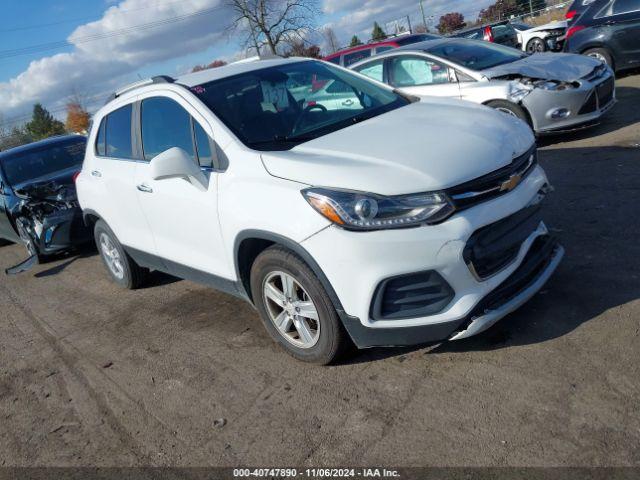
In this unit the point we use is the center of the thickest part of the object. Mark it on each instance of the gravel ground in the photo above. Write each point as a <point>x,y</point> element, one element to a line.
<point>177,374</point>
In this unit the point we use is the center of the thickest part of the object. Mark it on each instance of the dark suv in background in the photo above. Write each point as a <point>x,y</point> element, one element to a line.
<point>608,30</point>
<point>501,32</point>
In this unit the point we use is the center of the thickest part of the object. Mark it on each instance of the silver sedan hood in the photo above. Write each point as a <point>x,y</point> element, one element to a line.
<point>564,67</point>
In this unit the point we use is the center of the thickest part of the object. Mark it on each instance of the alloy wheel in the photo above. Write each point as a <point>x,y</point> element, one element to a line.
<point>291,310</point>
<point>111,256</point>
<point>535,46</point>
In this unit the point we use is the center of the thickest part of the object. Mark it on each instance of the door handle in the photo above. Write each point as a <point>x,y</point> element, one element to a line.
<point>145,188</point>
<point>346,103</point>
<point>96,173</point>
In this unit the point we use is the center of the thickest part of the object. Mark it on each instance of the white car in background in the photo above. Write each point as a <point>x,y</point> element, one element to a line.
<point>552,92</point>
<point>393,221</point>
<point>540,39</point>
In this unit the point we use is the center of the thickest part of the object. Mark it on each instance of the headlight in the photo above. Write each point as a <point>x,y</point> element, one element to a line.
<point>367,211</point>
<point>553,86</point>
<point>518,93</point>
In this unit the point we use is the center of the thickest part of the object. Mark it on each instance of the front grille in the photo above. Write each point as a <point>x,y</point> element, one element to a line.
<point>591,105</point>
<point>494,184</point>
<point>605,92</point>
<point>493,247</point>
<point>411,296</point>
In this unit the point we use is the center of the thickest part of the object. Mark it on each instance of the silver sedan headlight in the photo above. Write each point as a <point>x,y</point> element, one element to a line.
<point>368,211</point>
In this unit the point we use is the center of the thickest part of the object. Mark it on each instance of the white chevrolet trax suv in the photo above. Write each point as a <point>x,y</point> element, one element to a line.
<point>344,211</point>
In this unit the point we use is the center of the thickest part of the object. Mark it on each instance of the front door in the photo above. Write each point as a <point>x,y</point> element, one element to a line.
<point>182,216</point>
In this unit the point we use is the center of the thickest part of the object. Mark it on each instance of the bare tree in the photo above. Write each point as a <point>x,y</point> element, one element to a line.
<point>331,40</point>
<point>273,22</point>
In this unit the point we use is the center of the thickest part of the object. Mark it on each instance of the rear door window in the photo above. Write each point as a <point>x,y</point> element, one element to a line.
<point>118,133</point>
<point>620,7</point>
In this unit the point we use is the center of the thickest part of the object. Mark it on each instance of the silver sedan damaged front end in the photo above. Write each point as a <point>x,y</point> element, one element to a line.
<point>560,96</point>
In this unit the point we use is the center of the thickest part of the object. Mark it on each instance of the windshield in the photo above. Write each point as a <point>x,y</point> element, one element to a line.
<point>476,55</point>
<point>280,107</point>
<point>44,161</point>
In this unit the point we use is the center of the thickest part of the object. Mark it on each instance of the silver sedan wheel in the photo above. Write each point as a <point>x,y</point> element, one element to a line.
<point>111,256</point>
<point>535,45</point>
<point>291,310</point>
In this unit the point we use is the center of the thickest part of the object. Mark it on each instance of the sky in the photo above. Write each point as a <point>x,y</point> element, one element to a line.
<point>53,50</point>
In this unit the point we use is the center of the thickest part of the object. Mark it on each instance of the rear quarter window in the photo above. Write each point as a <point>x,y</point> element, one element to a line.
<point>117,132</point>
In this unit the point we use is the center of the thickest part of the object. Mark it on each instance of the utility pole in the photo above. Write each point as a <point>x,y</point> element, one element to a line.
<point>531,7</point>
<point>424,19</point>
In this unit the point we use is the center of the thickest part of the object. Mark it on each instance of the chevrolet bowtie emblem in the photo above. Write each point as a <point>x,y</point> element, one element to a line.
<point>513,182</point>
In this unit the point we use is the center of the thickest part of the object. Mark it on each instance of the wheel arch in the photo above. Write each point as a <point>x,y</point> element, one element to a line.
<point>251,243</point>
<point>521,105</point>
<point>90,217</point>
<point>592,45</point>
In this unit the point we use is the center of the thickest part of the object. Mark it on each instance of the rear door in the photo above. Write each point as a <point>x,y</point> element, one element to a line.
<point>112,176</point>
<point>422,76</point>
<point>182,217</point>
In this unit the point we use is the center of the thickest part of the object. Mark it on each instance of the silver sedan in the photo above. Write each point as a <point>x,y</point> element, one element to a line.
<point>552,92</point>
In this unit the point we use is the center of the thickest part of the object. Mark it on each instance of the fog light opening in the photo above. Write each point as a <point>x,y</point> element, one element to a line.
<point>559,113</point>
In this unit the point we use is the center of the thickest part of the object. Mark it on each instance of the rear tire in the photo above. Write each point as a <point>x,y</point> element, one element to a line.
<point>120,266</point>
<point>600,54</point>
<point>536,45</point>
<point>510,108</point>
<point>284,289</point>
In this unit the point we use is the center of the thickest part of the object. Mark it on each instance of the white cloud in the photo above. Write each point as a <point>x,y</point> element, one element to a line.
<point>94,66</point>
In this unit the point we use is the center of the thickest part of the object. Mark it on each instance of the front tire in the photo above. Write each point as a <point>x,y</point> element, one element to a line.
<point>510,108</point>
<point>600,54</point>
<point>536,45</point>
<point>295,308</point>
<point>120,266</point>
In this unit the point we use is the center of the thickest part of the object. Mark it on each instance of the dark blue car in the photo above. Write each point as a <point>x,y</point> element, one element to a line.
<point>38,203</point>
<point>608,30</point>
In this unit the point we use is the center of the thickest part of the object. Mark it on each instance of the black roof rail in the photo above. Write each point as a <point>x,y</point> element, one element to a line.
<point>142,83</point>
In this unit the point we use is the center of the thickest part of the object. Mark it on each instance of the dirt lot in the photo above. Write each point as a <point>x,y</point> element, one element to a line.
<point>177,374</point>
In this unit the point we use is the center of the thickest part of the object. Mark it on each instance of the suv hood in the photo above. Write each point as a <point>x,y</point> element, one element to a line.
<point>428,145</point>
<point>564,67</point>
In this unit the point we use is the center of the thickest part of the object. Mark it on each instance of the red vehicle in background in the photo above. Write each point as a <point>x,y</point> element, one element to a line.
<point>349,56</point>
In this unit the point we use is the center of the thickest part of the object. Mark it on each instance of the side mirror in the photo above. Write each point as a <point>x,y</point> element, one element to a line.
<point>176,163</point>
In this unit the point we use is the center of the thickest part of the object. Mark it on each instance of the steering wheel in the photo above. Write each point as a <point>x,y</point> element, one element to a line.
<point>304,113</point>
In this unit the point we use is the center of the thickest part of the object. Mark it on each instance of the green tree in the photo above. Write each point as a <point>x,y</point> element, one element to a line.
<point>377,34</point>
<point>355,41</point>
<point>42,124</point>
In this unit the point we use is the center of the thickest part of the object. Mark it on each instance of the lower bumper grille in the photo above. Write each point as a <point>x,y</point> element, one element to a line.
<point>492,248</point>
<point>590,106</point>
<point>411,296</point>
<point>605,92</point>
<point>539,256</point>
